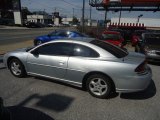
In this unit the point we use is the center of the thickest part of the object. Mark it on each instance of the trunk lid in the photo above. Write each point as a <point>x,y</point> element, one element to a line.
<point>135,58</point>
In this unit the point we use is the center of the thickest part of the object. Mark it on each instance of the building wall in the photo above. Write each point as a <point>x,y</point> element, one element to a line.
<point>67,20</point>
<point>148,22</point>
<point>39,18</point>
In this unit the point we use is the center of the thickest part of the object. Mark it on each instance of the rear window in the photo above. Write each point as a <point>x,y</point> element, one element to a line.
<point>118,52</point>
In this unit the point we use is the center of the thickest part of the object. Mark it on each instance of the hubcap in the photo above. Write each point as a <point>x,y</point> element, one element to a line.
<point>98,86</point>
<point>15,67</point>
<point>39,42</point>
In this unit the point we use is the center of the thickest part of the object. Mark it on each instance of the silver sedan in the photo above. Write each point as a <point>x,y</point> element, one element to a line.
<point>94,65</point>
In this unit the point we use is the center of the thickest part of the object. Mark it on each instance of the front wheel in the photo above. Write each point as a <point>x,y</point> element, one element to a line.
<point>17,68</point>
<point>99,86</point>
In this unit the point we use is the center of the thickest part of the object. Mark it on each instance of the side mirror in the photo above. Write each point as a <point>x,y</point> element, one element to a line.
<point>35,52</point>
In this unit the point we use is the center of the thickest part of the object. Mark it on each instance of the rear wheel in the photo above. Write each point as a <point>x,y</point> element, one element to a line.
<point>17,68</point>
<point>99,86</point>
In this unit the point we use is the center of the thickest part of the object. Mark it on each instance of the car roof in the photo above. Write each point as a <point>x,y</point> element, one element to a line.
<point>101,51</point>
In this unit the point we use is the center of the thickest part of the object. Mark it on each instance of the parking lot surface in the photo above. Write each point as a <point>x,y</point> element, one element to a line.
<point>33,98</point>
<point>64,102</point>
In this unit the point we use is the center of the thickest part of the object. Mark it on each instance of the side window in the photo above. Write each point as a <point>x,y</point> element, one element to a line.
<point>62,49</point>
<point>83,51</point>
<point>63,34</point>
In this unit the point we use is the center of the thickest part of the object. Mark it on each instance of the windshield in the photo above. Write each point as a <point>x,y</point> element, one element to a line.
<point>111,36</point>
<point>118,52</point>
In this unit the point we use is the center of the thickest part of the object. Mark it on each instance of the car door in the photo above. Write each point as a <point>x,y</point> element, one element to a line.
<point>49,60</point>
<point>80,62</point>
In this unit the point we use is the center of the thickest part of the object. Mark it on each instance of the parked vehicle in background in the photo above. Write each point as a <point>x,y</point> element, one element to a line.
<point>58,34</point>
<point>113,37</point>
<point>120,31</point>
<point>50,25</point>
<point>95,65</point>
<point>34,25</point>
<point>150,46</point>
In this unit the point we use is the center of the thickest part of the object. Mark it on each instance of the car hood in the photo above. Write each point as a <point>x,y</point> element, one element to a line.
<point>134,57</point>
<point>19,50</point>
<point>43,37</point>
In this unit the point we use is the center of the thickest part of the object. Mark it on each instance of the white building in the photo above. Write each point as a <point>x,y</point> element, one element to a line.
<point>92,23</point>
<point>147,22</point>
<point>67,20</point>
<point>44,19</point>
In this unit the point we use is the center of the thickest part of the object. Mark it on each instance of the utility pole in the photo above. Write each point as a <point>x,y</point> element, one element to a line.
<point>73,12</point>
<point>105,19</point>
<point>105,16</point>
<point>55,9</point>
<point>44,11</point>
<point>120,14</point>
<point>139,17</point>
<point>83,16</point>
<point>90,17</point>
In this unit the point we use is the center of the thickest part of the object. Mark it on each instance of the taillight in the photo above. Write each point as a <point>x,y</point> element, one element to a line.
<point>141,68</point>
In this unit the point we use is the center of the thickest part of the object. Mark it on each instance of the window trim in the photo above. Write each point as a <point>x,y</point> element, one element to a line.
<point>36,48</point>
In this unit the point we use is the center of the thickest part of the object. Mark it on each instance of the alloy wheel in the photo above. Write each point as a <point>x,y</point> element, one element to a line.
<point>98,86</point>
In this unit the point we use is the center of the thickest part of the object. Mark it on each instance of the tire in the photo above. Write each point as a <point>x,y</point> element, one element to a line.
<point>38,42</point>
<point>99,86</point>
<point>17,68</point>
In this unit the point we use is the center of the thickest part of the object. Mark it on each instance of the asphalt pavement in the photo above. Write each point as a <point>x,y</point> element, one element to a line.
<point>34,98</point>
<point>31,97</point>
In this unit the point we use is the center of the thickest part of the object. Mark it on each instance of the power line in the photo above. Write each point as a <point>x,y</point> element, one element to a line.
<point>71,4</point>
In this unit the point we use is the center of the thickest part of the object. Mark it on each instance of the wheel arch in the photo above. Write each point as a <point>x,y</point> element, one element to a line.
<point>10,58</point>
<point>96,72</point>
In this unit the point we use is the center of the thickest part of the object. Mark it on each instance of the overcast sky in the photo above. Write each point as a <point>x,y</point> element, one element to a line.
<point>65,8</point>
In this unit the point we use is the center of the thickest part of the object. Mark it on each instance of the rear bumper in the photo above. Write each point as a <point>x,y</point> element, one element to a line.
<point>137,83</point>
